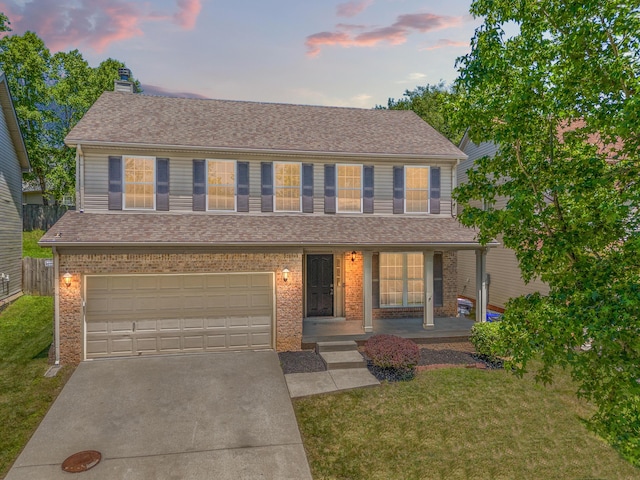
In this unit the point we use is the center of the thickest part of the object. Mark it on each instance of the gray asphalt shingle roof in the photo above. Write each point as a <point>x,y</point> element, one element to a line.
<point>136,119</point>
<point>189,229</point>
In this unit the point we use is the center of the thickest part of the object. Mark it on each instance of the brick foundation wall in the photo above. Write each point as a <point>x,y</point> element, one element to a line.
<point>289,295</point>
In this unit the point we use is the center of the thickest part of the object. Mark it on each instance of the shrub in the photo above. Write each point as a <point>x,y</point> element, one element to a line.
<point>391,352</point>
<point>486,338</point>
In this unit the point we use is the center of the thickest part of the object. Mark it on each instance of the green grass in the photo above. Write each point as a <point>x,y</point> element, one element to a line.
<point>30,247</point>
<point>456,424</point>
<point>26,331</point>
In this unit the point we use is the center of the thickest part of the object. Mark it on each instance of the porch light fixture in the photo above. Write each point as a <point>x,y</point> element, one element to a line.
<point>353,256</point>
<point>67,279</point>
<point>285,274</point>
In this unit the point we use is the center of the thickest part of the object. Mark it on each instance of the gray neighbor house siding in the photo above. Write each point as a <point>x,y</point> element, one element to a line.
<point>13,161</point>
<point>505,279</point>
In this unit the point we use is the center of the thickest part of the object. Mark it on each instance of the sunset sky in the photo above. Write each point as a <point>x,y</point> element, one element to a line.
<point>322,52</point>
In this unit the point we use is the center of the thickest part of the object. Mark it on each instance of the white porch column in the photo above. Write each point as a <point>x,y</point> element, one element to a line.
<point>481,285</point>
<point>367,290</point>
<point>427,321</point>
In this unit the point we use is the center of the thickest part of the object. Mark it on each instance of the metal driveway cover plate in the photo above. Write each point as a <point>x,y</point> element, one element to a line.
<point>81,461</point>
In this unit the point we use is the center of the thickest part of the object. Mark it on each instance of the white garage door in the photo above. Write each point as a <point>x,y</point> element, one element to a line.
<point>128,315</point>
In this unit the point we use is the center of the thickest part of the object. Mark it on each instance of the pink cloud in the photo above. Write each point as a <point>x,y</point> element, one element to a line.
<point>394,34</point>
<point>444,42</point>
<point>95,23</point>
<point>353,8</point>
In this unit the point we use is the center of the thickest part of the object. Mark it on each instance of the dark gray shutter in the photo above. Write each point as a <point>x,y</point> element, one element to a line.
<point>162,184</point>
<point>398,189</point>
<point>115,183</point>
<point>199,186</point>
<point>243,187</point>
<point>438,281</point>
<point>435,190</point>
<point>330,188</point>
<point>367,197</point>
<point>375,279</point>
<point>266,174</point>
<point>307,188</point>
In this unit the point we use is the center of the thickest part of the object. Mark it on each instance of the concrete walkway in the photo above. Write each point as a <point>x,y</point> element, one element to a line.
<point>222,416</point>
<point>305,384</point>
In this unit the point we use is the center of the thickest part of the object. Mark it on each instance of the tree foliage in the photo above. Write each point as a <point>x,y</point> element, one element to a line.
<point>432,103</point>
<point>560,98</point>
<point>51,93</point>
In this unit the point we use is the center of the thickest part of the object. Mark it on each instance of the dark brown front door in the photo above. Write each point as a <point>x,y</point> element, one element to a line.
<point>319,285</point>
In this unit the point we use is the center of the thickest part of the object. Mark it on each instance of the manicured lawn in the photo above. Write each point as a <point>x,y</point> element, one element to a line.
<point>26,330</point>
<point>456,423</point>
<point>30,246</point>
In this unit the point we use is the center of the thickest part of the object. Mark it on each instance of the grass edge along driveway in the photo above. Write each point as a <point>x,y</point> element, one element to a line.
<point>456,423</point>
<point>26,332</point>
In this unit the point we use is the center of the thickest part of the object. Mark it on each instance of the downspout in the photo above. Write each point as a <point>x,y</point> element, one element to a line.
<point>79,178</point>
<point>454,184</point>
<point>56,307</point>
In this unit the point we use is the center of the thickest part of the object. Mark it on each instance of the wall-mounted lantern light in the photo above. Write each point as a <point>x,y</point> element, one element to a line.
<point>285,274</point>
<point>67,279</point>
<point>353,256</point>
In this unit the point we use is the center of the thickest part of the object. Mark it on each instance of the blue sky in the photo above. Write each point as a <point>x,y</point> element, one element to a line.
<point>344,53</point>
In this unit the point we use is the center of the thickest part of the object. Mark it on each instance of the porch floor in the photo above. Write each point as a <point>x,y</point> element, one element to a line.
<point>444,329</point>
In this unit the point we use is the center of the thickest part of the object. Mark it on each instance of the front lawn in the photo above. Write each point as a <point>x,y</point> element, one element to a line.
<point>30,247</point>
<point>456,423</point>
<point>26,332</point>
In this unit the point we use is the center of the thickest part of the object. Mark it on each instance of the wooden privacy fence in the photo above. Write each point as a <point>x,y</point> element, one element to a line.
<point>37,276</point>
<point>42,217</point>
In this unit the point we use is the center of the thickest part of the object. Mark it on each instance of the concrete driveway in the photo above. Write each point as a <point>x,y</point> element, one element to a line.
<point>209,416</point>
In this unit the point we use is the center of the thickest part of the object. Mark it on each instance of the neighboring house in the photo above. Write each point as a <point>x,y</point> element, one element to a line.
<point>504,279</point>
<point>32,195</point>
<point>13,162</point>
<point>206,225</point>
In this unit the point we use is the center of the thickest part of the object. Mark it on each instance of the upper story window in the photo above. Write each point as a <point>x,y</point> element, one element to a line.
<point>139,182</point>
<point>287,186</point>
<point>349,188</point>
<point>221,185</point>
<point>416,192</point>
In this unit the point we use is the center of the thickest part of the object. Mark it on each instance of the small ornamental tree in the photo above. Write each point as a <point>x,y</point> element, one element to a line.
<point>559,95</point>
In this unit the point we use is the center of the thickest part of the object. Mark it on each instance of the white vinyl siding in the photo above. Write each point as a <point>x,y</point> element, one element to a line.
<point>401,279</point>
<point>139,182</point>
<point>287,186</point>
<point>349,188</point>
<point>221,185</point>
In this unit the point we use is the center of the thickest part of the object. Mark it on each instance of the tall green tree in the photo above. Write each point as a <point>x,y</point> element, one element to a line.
<point>51,93</point>
<point>560,98</point>
<point>432,103</point>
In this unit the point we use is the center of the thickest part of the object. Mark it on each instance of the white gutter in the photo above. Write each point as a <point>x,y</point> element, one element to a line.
<point>56,308</point>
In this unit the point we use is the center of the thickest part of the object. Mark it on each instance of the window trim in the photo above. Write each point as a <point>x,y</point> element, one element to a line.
<point>405,281</point>
<point>124,182</point>
<point>276,187</point>
<point>406,189</point>
<point>338,166</point>
<point>235,185</point>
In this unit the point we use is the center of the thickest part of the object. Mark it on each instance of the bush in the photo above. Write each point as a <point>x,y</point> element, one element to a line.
<point>391,352</point>
<point>486,338</point>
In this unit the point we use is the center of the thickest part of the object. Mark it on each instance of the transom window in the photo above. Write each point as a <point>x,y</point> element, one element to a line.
<point>350,188</point>
<point>221,185</point>
<point>287,187</point>
<point>139,182</point>
<point>401,280</point>
<point>416,190</point>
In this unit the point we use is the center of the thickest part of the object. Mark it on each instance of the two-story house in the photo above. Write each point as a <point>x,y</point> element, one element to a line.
<point>13,162</point>
<point>206,225</point>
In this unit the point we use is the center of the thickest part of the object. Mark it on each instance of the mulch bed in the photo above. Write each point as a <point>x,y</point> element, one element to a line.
<point>432,356</point>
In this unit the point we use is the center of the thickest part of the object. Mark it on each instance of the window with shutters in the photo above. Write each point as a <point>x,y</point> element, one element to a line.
<point>401,279</point>
<point>221,185</point>
<point>349,188</point>
<point>139,182</point>
<point>287,186</point>
<point>416,190</point>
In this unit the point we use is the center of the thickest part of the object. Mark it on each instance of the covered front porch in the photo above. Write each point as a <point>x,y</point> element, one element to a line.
<point>329,329</point>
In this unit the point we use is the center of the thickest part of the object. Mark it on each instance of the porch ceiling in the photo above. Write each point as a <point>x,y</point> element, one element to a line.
<point>238,230</point>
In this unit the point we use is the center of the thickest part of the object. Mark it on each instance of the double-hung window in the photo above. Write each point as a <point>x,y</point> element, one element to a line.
<point>139,182</point>
<point>401,280</point>
<point>349,188</point>
<point>287,186</point>
<point>416,189</point>
<point>221,185</point>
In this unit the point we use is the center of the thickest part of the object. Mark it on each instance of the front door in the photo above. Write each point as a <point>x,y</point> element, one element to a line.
<point>319,285</point>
